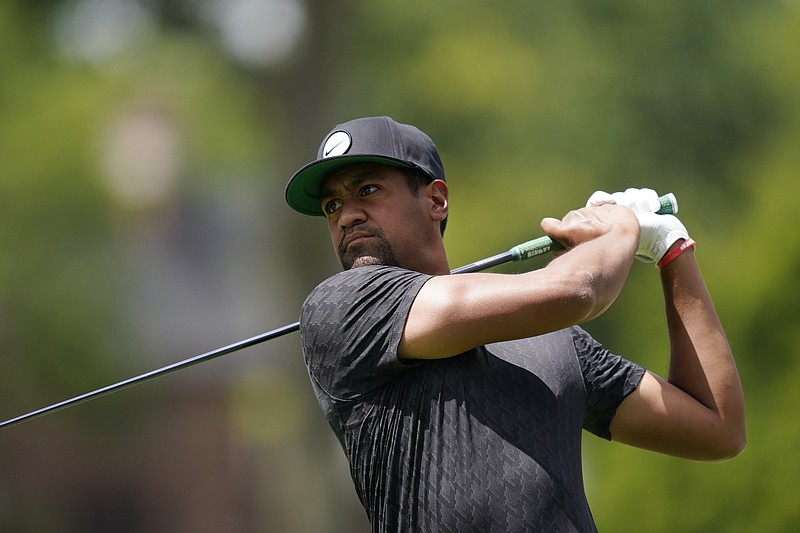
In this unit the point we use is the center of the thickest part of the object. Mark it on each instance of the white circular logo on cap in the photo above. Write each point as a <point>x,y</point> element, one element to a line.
<point>337,144</point>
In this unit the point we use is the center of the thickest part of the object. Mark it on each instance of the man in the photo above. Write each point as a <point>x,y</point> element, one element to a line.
<point>459,399</point>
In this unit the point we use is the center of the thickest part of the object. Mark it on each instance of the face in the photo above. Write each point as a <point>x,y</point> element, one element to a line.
<point>374,219</point>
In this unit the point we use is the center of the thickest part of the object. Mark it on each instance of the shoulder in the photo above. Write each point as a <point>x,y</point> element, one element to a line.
<point>351,325</point>
<point>365,282</point>
<point>361,295</point>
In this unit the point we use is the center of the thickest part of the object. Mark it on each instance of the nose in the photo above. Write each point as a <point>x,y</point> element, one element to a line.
<point>351,213</point>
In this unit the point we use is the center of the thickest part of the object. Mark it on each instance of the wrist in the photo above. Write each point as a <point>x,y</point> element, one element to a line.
<point>675,251</point>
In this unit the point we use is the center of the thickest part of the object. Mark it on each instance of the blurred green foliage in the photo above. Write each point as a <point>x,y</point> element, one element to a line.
<point>533,107</point>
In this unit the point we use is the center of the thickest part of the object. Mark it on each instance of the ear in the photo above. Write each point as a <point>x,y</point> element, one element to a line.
<point>438,196</point>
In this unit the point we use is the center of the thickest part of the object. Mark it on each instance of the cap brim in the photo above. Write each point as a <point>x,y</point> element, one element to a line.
<point>302,191</point>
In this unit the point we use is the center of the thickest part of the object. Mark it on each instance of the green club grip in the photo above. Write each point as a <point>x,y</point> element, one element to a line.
<point>541,245</point>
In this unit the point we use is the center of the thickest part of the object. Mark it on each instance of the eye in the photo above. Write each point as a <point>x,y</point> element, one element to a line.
<point>366,190</point>
<point>331,207</point>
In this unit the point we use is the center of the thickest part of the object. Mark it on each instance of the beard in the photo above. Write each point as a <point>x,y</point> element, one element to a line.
<point>375,250</point>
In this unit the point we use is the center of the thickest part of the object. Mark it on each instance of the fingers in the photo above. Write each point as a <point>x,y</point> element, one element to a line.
<point>639,200</point>
<point>587,223</point>
<point>600,198</point>
<point>550,225</point>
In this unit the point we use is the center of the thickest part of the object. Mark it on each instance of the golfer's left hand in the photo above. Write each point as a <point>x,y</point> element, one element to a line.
<point>640,200</point>
<point>657,233</point>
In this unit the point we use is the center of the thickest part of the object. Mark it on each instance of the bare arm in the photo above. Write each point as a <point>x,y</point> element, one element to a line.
<point>698,412</point>
<point>452,314</point>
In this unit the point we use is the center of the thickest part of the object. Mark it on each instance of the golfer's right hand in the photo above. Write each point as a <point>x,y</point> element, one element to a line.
<point>587,223</point>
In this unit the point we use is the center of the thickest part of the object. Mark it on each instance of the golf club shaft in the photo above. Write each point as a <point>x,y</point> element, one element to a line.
<point>147,376</point>
<point>520,252</point>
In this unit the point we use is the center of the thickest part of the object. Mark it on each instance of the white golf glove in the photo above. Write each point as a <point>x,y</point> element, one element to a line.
<point>640,200</point>
<point>657,233</point>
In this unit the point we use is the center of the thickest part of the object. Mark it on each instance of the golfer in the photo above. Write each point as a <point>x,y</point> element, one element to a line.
<point>459,400</point>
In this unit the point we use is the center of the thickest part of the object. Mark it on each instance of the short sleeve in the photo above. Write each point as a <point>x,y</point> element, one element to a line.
<point>351,326</point>
<point>608,379</point>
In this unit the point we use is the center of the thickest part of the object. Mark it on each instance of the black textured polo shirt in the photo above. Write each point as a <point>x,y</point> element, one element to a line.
<point>485,441</point>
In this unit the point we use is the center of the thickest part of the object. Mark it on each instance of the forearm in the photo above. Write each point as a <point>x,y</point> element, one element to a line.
<point>701,361</point>
<point>597,270</point>
<point>452,314</point>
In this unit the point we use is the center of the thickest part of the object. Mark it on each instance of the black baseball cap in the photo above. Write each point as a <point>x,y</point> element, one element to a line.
<point>363,140</point>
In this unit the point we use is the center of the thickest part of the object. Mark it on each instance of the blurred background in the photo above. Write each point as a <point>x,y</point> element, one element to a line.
<point>144,149</point>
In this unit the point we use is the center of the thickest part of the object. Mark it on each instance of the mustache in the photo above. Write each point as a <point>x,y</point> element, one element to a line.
<point>365,230</point>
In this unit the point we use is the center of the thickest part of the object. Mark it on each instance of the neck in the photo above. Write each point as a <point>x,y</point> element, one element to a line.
<point>434,262</point>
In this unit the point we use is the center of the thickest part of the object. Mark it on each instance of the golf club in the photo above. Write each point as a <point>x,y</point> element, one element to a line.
<point>520,252</point>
